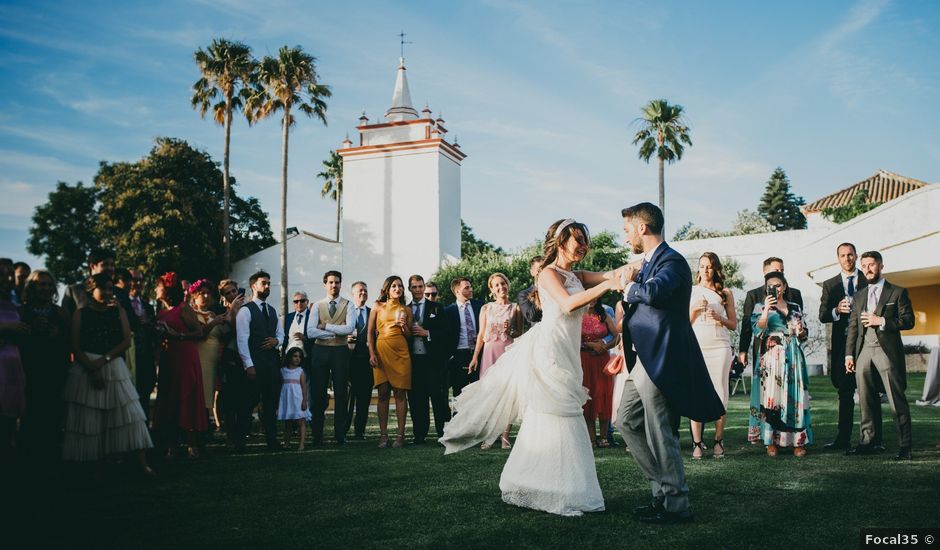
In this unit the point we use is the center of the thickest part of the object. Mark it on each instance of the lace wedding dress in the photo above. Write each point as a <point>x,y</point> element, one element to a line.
<point>538,380</point>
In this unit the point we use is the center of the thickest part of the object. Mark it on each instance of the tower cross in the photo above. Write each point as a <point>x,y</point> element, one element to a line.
<point>402,36</point>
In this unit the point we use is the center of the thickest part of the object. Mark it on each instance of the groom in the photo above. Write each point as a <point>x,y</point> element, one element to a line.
<point>672,379</point>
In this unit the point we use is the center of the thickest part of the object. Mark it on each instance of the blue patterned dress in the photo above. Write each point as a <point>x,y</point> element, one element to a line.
<point>779,398</point>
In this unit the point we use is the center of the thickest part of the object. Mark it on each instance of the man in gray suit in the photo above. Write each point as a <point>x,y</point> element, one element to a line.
<point>874,349</point>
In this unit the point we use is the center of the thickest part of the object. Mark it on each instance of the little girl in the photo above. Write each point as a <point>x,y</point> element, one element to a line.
<point>292,407</point>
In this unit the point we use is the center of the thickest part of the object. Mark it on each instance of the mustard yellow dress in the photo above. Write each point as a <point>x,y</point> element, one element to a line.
<point>391,349</point>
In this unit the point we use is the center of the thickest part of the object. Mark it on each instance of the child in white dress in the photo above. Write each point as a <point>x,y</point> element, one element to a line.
<point>292,406</point>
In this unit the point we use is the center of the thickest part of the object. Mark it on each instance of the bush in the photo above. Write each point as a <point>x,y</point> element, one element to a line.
<point>911,349</point>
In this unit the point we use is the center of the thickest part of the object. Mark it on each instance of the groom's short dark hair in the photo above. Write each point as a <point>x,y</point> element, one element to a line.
<point>647,213</point>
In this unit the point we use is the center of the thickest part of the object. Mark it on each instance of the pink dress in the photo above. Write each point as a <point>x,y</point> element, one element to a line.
<point>12,379</point>
<point>180,400</point>
<point>599,385</point>
<point>496,337</point>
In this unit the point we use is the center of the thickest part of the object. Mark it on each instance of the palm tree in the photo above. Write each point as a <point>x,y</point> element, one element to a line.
<point>285,83</point>
<point>663,130</point>
<point>228,70</point>
<point>332,177</point>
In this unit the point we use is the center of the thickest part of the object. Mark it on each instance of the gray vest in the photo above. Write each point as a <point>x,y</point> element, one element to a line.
<point>871,337</point>
<point>259,329</point>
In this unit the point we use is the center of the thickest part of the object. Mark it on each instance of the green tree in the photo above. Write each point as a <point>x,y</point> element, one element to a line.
<point>332,176</point>
<point>779,206</point>
<point>663,131</point>
<point>228,69</point>
<point>747,223</point>
<point>856,207</point>
<point>471,245</point>
<point>287,83</point>
<point>64,230</point>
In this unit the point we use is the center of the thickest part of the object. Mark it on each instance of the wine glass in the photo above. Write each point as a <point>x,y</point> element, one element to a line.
<point>400,318</point>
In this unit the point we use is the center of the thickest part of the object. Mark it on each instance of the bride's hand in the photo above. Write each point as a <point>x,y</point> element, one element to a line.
<point>617,284</point>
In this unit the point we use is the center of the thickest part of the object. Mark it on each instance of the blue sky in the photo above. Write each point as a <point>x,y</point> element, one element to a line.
<point>540,94</point>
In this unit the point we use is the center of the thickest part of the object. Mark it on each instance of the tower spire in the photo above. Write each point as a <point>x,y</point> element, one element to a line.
<point>401,108</point>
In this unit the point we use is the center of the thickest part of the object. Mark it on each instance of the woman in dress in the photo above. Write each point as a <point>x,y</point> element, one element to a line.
<point>388,332</point>
<point>181,405</point>
<point>713,315</point>
<point>500,322</point>
<point>596,325</point>
<point>209,346</point>
<point>779,398</point>
<point>45,353</point>
<point>551,466</point>
<point>103,415</point>
<point>12,379</point>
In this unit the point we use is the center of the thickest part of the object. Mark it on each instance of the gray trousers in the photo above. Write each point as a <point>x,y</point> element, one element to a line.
<point>872,362</point>
<point>647,424</point>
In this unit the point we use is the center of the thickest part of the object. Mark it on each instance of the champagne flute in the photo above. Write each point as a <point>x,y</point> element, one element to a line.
<point>400,318</point>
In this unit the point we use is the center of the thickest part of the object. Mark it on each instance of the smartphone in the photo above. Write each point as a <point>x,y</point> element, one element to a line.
<point>241,292</point>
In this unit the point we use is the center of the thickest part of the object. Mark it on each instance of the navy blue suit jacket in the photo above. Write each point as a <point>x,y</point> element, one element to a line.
<point>656,322</point>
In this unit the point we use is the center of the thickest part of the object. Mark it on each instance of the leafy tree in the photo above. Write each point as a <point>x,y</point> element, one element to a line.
<point>663,130</point>
<point>605,254</point>
<point>692,232</point>
<point>471,245</point>
<point>227,70</point>
<point>288,82</point>
<point>64,230</point>
<point>332,176</point>
<point>779,206</point>
<point>251,231</point>
<point>747,223</point>
<point>856,207</point>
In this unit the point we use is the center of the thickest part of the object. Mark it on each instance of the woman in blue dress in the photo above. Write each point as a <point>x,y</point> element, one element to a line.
<point>780,414</point>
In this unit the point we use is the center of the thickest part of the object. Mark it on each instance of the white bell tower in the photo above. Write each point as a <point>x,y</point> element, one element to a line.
<point>401,195</point>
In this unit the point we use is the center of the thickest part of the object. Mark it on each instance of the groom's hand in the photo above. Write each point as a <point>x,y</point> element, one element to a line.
<point>630,271</point>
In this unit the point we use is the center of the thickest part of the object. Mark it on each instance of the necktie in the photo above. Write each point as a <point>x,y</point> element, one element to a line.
<point>851,286</point>
<point>264,310</point>
<point>300,319</point>
<point>872,298</point>
<point>359,320</point>
<point>468,320</point>
<point>332,308</point>
<point>417,312</point>
<point>642,274</point>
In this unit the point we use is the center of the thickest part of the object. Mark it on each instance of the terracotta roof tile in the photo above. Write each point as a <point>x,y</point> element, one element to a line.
<point>883,186</point>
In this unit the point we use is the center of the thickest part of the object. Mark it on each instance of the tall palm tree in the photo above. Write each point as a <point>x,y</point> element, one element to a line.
<point>663,130</point>
<point>332,176</point>
<point>286,83</point>
<point>228,70</point>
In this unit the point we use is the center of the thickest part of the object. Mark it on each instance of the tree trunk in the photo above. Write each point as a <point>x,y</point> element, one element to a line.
<point>662,186</point>
<point>226,231</point>
<point>339,211</point>
<point>286,130</point>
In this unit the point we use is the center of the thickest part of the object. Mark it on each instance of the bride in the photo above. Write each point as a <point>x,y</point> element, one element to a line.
<point>538,378</point>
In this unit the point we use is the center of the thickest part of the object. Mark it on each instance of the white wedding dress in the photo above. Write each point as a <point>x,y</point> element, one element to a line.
<point>538,380</point>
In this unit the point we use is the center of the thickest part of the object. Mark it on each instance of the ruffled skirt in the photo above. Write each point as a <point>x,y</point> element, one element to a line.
<point>105,421</point>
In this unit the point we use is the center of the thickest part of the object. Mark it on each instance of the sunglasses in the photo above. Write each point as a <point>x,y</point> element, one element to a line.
<point>430,294</point>
<point>300,301</point>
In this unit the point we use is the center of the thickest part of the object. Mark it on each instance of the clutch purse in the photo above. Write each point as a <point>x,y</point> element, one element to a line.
<point>614,366</point>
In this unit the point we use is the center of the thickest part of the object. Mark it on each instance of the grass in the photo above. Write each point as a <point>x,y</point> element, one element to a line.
<point>364,497</point>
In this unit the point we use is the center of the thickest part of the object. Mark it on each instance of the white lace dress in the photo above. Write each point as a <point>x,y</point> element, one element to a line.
<point>538,379</point>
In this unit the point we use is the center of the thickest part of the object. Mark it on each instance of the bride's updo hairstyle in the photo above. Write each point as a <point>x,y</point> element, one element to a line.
<point>555,238</point>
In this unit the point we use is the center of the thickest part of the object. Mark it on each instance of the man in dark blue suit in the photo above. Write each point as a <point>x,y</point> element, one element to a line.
<point>462,325</point>
<point>672,379</point>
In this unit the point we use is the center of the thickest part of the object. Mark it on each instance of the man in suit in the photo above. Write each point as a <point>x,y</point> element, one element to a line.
<point>428,371</point>
<point>431,291</point>
<point>360,371</point>
<point>296,324</point>
<point>874,350</point>
<point>668,377</point>
<point>754,297</point>
<point>835,307</point>
<point>336,320</point>
<point>463,322</point>
<point>258,335</point>
<point>145,356</point>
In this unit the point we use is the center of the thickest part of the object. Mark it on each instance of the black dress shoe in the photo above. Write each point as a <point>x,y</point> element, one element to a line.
<point>665,517</point>
<point>419,441</point>
<point>904,454</point>
<point>877,448</point>
<point>359,437</point>
<point>654,507</point>
<point>341,442</point>
<point>860,450</point>
<point>837,445</point>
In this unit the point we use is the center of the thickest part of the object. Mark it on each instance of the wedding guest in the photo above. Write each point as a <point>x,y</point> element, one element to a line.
<point>835,307</point>
<point>335,322</point>
<point>500,323</point>
<point>596,326</point>
<point>463,320</point>
<point>210,342</point>
<point>530,311</point>
<point>233,379</point>
<point>296,324</point>
<point>292,404</point>
<point>45,350</point>
<point>21,271</point>
<point>12,378</point>
<point>874,350</point>
<point>181,404</point>
<point>748,342</point>
<point>102,411</point>
<point>100,260</point>
<point>360,371</point>
<point>388,333</point>
<point>145,340</point>
<point>713,315</point>
<point>428,371</point>
<point>780,415</point>
<point>258,336</point>
<point>431,291</point>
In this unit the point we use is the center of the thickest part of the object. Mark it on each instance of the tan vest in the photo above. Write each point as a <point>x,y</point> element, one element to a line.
<point>338,318</point>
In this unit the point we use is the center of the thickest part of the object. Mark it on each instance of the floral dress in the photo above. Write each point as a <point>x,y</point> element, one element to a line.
<point>779,412</point>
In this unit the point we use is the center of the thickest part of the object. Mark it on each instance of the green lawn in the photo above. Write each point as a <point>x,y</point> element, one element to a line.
<point>365,497</point>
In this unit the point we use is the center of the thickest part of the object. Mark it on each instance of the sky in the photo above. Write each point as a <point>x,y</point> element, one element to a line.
<point>543,97</point>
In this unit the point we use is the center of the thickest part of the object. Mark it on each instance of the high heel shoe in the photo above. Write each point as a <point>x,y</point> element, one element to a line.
<point>399,442</point>
<point>718,448</point>
<point>485,446</point>
<point>383,441</point>
<point>771,450</point>
<point>698,450</point>
<point>504,440</point>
